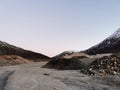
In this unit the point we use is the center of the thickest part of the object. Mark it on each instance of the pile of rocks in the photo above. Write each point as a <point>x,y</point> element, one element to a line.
<point>107,65</point>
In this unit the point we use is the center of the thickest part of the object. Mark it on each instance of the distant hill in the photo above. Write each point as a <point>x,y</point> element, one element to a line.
<point>110,45</point>
<point>8,49</point>
<point>70,54</point>
<point>61,55</point>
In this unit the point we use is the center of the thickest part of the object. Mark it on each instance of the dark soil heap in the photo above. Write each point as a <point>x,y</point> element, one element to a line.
<point>64,64</point>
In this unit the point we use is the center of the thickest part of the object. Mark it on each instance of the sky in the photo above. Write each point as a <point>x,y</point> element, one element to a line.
<point>53,26</point>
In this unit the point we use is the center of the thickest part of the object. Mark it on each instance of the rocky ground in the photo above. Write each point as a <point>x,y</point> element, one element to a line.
<point>33,77</point>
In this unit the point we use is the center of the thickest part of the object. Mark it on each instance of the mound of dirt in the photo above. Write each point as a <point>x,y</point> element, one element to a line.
<point>7,60</point>
<point>106,65</point>
<point>64,64</point>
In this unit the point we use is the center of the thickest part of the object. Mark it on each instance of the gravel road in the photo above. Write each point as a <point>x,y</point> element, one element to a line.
<point>33,77</point>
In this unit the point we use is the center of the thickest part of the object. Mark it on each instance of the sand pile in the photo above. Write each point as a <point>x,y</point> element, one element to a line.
<point>7,60</point>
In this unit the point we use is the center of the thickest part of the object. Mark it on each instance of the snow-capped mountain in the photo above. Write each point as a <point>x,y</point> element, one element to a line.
<point>7,49</point>
<point>116,34</point>
<point>109,45</point>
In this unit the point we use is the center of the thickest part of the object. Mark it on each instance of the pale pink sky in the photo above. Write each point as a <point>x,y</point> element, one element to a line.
<point>53,26</point>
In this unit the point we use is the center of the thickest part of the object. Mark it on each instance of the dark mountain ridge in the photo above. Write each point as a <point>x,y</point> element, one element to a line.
<point>109,45</point>
<point>8,49</point>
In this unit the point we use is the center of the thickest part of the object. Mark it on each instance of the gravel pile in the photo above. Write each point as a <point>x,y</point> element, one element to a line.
<point>107,65</point>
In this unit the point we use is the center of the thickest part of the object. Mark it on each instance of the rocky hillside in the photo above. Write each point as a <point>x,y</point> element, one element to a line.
<point>7,49</point>
<point>109,45</point>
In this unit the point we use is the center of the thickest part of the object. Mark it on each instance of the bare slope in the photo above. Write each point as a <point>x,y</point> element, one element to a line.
<point>7,49</point>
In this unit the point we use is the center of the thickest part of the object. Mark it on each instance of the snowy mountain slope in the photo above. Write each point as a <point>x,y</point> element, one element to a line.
<point>116,34</point>
<point>109,45</point>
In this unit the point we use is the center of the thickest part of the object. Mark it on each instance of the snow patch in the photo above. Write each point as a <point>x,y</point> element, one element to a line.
<point>116,34</point>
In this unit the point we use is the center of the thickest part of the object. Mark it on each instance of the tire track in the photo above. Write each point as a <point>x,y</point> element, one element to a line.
<point>3,79</point>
